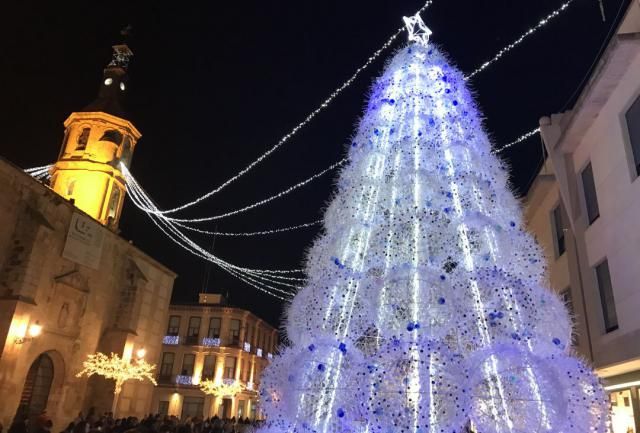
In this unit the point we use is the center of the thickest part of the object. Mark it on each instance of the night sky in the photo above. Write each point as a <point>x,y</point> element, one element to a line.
<point>215,84</point>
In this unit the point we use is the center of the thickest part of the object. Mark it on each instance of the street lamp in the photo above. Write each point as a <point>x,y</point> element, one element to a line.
<point>34,330</point>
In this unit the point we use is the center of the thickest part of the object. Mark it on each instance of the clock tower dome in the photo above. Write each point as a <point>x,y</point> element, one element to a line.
<point>96,140</point>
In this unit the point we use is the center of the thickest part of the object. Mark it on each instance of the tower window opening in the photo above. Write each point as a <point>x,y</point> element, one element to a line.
<point>83,139</point>
<point>122,87</point>
<point>71,185</point>
<point>108,81</point>
<point>126,154</point>
<point>112,135</point>
<point>113,203</point>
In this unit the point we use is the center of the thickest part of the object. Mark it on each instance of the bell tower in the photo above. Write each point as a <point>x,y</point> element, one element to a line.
<point>96,140</point>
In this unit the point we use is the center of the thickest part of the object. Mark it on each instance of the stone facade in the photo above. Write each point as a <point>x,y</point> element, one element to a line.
<point>110,297</point>
<point>213,341</point>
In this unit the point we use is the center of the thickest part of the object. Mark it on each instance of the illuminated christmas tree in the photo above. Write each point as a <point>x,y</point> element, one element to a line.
<point>425,308</point>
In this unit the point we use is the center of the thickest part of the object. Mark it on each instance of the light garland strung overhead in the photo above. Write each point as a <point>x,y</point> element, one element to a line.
<point>260,202</point>
<point>543,22</point>
<point>42,172</point>
<point>518,140</point>
<point>256,233</point>
<point>257,278</point>
<point>300,125</point>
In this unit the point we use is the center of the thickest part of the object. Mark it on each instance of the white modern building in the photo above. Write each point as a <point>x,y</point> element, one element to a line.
<point>584,209</point>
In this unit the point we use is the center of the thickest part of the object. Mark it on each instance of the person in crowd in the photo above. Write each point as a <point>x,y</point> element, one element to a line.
<point>20,424</point>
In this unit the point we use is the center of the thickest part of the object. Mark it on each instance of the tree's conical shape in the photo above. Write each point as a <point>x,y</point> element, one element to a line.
<point>425,308</point>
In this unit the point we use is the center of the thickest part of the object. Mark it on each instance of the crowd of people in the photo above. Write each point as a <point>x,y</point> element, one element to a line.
<point>107,423</point>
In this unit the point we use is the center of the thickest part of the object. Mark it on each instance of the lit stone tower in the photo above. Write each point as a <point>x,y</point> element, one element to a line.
<point>96,140</point>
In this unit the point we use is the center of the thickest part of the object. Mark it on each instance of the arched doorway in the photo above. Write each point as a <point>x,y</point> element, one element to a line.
<point>37,386</point>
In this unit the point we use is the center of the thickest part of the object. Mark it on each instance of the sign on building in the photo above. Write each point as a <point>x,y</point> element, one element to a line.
<point>84,241</point>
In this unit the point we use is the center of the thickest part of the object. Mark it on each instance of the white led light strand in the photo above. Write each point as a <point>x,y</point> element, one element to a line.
<point>261,202</point>
<point>38,169</point>
<point>300,125</point>
<point>518,41</point>
<point>256,233</point>
<point>254,277</point>
<point>243,277</point>
<point>520,139</point>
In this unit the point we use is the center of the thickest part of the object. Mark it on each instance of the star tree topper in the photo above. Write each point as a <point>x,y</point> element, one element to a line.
<point>418,30</point>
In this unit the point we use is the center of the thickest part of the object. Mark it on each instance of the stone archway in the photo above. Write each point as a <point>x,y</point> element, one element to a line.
<point>37,386</point>
<point>42,384</point>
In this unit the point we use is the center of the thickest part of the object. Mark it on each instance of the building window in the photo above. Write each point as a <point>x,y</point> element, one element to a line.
<point>606,297</point>
<point>127,151</point>
<point>589,190</point>
<point>112,135</point>
<point>174,325</point>
<point>194,327</point>
<point>247,335</point>
<point>557,223</point>
<point>193,331</point>
<point>83,139</point>
<point>188,361</point>
<point>114,203</point>
<point>214,327</point>
<point>209,367</point>
<point>230,367</point>
<point>163,408</point>
<point>71,186</point>
<point>234,332</point>
<point>166,367</point>
<point>633,125</point>
<point>192,407</point>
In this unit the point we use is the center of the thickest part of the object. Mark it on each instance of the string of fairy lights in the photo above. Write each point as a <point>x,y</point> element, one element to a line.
<point>274,282</point>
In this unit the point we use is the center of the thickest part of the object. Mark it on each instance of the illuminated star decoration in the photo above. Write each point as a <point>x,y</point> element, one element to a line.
<point>418,30</point>
<point>118,369</point>
<point>221,388</point>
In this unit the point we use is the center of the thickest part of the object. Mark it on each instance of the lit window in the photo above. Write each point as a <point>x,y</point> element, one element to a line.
<point>188,361</point>
<point>122,86</point>
<point>633,125</point>
<point>166,367</point>
<point>214,327</point>
<point>174,325</point>
<point>108,81</point>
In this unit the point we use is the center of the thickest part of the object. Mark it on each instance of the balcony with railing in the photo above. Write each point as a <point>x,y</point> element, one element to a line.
<point>191,340</point>
<point>166,379</point>
<point>171,340</point>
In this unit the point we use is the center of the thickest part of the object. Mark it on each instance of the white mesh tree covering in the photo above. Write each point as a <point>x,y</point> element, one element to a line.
<point>425,307</point>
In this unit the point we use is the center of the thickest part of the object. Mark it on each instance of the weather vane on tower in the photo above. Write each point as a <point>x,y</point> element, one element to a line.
<point>418,30</point>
